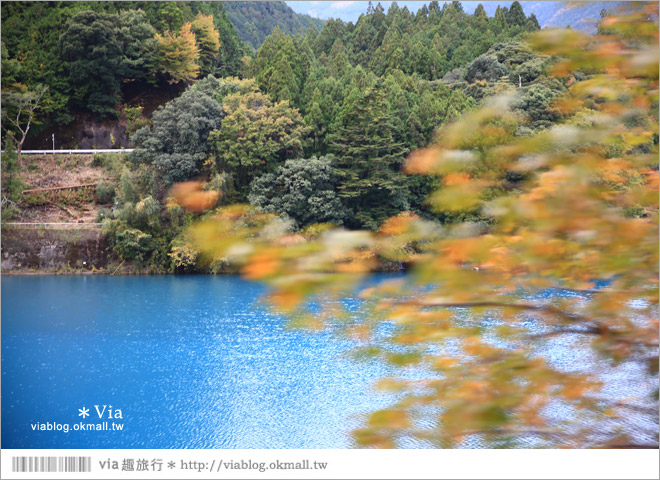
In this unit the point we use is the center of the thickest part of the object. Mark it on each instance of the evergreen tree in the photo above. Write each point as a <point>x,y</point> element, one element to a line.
<point>368,161</point>
<point>331,31</point>
<point>316,121</point>
<point>515,16</point>
<point>281,68</point>
<point>282,84</point>
<point>500,20</point>
<point>138,46</point>
<point>91,47</point>
<point>177,144</point>
<point>338,63</point>
<point>171,17</point>
<point>533,24</point>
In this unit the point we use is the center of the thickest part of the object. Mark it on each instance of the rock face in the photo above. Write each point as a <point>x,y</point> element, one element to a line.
<point>53,249</point>
<point>83,133</point>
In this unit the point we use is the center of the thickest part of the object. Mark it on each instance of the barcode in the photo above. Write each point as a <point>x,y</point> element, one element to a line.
<point>51,464</point>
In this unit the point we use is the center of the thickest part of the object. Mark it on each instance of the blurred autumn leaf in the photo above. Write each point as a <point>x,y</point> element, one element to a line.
<point>568,259</point>
<point>191,196</point>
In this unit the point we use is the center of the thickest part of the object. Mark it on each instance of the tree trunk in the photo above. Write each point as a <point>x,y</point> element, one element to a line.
<point>19,146</point>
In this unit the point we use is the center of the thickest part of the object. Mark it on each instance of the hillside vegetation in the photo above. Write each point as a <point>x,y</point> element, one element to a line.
<point>254,21</point>
<point>90,54</point>
<point>314,127</point>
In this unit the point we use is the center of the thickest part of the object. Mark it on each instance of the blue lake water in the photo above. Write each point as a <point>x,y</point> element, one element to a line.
<point>191,362</point>
<point>199,362</point>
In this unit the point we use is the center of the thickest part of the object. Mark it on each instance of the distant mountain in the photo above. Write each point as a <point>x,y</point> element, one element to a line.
<point>254,21</point>
<point>578,15</point>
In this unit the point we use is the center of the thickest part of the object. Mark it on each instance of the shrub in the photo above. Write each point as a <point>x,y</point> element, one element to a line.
<point>134,119</point>
<point>303,190</point>
<point>103,213</point>
<point>111,162</point>
<point>132,244</point>
<point>105,192</point>
<point>182,255</point>
<point>485,67</point>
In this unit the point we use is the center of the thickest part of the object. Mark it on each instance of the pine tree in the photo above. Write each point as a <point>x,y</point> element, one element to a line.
<point>316,121</point>
<point>338,62</point>
<point>368,159</point>
<point>515,16</point>
<point>533,24</point>
<point>437,58</point>
<point>282,84</point>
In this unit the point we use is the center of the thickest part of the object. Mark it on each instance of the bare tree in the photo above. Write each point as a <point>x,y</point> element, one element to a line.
<point>18,110</point>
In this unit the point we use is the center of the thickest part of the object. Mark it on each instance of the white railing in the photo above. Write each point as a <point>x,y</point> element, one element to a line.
<point>74,152</point>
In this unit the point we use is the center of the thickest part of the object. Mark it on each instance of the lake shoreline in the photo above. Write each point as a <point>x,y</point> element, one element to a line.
<point>382,268</point>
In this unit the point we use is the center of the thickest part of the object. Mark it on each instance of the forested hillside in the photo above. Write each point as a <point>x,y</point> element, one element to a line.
<point>254,21</point>
<point>313,126</point>
<point>88,54</point>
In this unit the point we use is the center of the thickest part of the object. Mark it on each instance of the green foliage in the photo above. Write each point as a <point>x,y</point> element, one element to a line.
<point>301,189</point>
<point>103,214</point>
<point>368,159</point>
<point>515,16</point>
<point>171,17</point>
<point>536,101</point>
<point>282,65</point>
<point>134,227</point>
<point>134,118</point>
<point>105,192</point>
<point>430,43</point>
<point>135,36</point>
<point>30,33</point>
<point>12,186</point>
<point>127,189</point>
<point>367,93</point>
<point>101,50</point>
<point>112,163</point>
<point>254,21</point>
<point>88,62</point>
<point>10,69</point>
<point>132,244</point>
<point>484,67</point>
<point>176,144</point>
<point>255,136</point>
<point>19,108</point>
<point>147,212</point>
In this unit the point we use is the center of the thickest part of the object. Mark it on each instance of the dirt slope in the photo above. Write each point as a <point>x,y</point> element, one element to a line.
<point>41,171</point>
